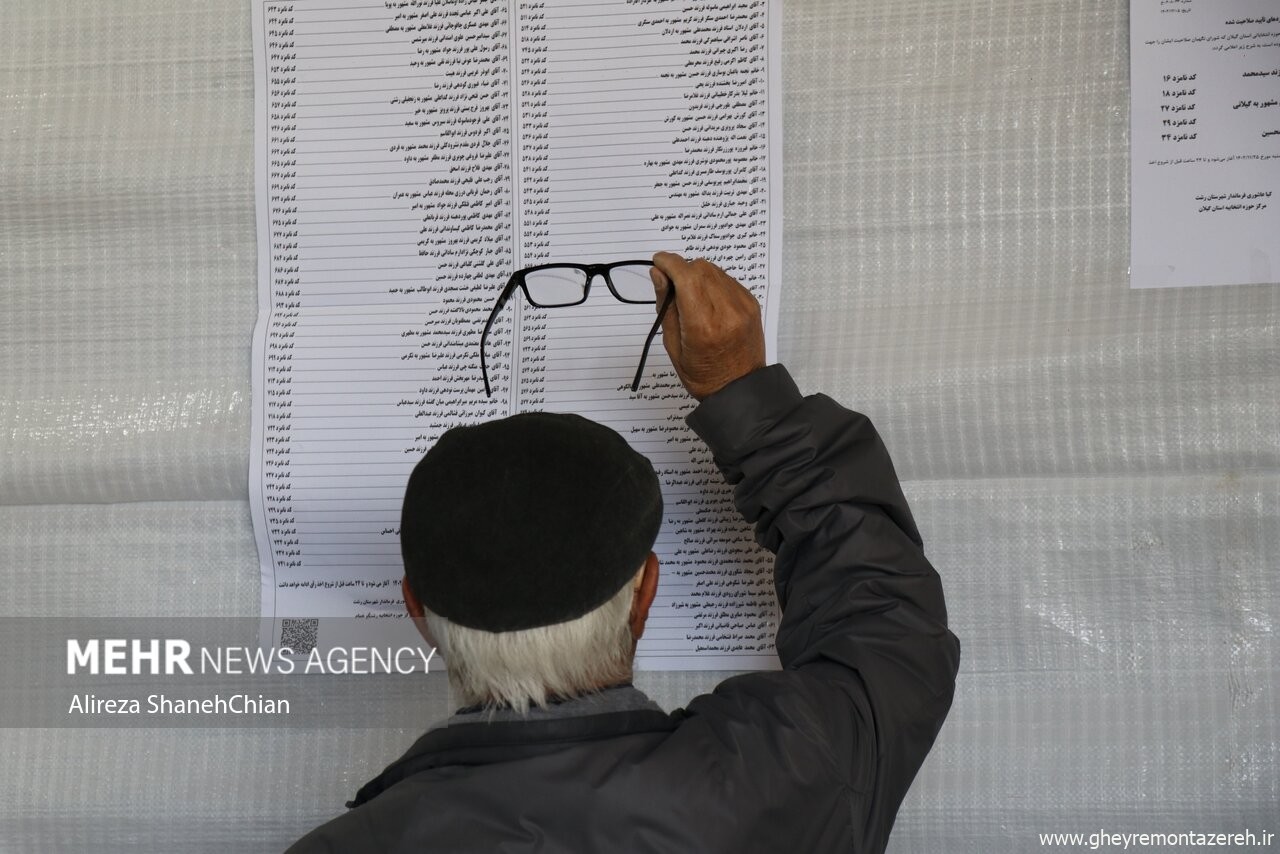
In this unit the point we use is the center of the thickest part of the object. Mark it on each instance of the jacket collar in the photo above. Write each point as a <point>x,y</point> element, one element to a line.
<point>472,739</point>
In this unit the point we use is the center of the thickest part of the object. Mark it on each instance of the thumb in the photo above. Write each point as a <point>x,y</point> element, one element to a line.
<point>661,283</point>
<point>671,320</point>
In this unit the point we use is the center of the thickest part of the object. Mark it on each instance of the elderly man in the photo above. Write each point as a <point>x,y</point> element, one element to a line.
<point>527,546</point>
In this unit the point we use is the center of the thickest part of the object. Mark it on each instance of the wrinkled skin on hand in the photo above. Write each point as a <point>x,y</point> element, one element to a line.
<point>713,330</point>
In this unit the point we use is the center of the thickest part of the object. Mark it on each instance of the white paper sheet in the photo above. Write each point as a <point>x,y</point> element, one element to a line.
<point>1205,139</point>
<point>410,156</point>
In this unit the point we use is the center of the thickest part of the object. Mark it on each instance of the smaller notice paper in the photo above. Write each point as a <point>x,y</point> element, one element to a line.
<point>1205,137</point>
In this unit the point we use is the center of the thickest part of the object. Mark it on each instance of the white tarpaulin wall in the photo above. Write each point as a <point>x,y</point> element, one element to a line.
<point>1096,471</point>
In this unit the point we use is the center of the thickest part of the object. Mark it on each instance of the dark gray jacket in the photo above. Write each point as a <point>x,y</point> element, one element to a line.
<point>814,758</point>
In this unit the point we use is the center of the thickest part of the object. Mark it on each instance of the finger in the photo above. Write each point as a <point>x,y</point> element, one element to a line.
<point>690,280</point>
<point>662,290</point>
<point>661,283</point>
<point>670,263</point>
<point>670,318</point>
<point>697,291</point>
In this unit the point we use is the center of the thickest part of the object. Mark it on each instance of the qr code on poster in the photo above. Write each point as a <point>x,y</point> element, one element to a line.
<point>299,635</point>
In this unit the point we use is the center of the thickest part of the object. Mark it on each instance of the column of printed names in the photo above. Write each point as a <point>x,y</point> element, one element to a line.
<point>645,127</point>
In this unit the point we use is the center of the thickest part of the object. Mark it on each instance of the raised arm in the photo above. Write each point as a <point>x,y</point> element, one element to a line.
<point>864,624</point>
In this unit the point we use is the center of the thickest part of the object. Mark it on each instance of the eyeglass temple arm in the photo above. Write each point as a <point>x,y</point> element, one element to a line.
<point>493,315</point>
<point>653,330</point>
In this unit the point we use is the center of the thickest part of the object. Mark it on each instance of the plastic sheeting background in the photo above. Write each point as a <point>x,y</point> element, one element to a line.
<point>1096,470</point>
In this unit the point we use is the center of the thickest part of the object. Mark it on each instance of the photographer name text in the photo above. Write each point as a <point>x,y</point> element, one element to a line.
<point>161,704</point>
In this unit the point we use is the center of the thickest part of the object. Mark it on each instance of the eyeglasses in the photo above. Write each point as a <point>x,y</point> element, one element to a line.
<point>563,285</point>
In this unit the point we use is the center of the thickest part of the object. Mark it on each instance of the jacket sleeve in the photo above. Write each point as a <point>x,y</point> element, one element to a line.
<point>864,624</point>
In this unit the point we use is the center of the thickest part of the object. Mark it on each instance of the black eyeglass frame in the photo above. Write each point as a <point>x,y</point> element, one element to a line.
<point>517,280</point>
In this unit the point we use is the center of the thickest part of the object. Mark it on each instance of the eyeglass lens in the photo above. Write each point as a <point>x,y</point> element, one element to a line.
<point>555,287</point>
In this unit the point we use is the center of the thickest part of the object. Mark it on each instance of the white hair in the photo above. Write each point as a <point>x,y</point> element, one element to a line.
<point>532,666</point>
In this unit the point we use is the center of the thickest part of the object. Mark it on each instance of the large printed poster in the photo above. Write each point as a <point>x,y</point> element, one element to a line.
<point>410,156</point>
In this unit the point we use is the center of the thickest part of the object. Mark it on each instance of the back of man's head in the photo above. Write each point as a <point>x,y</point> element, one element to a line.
<point>520,537</point>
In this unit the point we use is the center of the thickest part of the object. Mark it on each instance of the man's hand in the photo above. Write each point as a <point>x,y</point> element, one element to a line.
<point>712,331</point>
